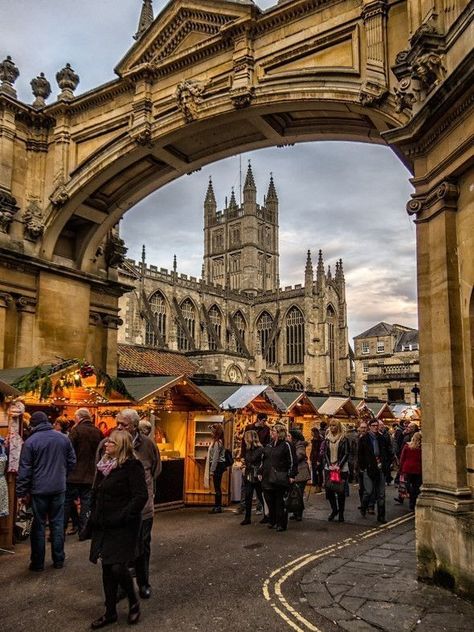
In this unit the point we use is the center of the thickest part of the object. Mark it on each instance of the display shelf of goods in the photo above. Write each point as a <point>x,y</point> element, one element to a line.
<point>202,439</point>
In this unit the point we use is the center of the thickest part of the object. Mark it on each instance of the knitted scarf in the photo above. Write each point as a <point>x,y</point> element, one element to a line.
<point>105,465</point>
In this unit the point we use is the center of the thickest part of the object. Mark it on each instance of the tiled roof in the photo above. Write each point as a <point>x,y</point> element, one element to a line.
<point>407,338</point>
<point>137,359</point>
<point>380,329</point>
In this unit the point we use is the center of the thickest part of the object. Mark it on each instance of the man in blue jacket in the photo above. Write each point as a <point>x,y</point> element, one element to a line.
<point>46,459</point>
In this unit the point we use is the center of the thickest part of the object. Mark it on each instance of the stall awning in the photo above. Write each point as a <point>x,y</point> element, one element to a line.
<point>381,410</point>
<point>180,391</point>
<point>298,403</point>
<point>219,392</point>
<point>256,394</point>
<point>338,407</point>
<point>318,400</point>
<point>6,389</point>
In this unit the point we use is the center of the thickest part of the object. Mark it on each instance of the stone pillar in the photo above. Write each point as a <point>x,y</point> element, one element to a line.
<point>5,300</point>
<point>109,345</point>
<point>445,510</point>
<point>94,341</point>
<point>25,343</point>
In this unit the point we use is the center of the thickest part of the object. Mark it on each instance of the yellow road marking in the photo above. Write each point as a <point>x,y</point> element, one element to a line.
<point>298,563</point>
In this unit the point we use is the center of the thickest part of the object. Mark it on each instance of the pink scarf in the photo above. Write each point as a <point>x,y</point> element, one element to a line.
<point>105,465</point>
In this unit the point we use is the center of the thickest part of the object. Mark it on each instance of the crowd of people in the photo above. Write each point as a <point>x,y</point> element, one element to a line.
<point>111,480</point>
<point>276,467</point>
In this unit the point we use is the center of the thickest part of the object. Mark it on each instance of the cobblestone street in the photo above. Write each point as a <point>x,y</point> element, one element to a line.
<point>209,574</point>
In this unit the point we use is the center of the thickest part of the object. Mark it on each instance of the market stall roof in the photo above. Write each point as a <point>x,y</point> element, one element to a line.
<point>406,411</point>
<point>299,401</point>
<point>182,393</point>
<point>262,397</point>
<point>358,402</point>
<point>9,376</point>
<point>137,359</point>
<point>338,407</point>
<point>219,392</point>
<point>381,410</point>
<point>6,389</point>
<point>318,400</point>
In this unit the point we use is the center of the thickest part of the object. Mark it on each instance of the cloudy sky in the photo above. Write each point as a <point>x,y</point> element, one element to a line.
<point>346,198</point>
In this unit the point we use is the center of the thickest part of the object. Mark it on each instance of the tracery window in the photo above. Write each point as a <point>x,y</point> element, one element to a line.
<point>158,309</point>
<point>264,329</point>
<point>294,337</point>
<point>331,321</point>
<point>240,325</point>
<point>189,314</point>
<point>215,318</point>
<point>295,384</point>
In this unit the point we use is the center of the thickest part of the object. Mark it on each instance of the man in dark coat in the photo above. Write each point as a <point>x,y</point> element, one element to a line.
<point>149,455</point>
<point>85,438</point>
<point>46,459</point>
<point>374,459</point>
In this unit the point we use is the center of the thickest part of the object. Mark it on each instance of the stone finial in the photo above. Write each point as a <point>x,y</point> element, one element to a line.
<point>41,90</point>
<point>320,270</point>
<point>9,73</point>
<point>146,18</point>
<point>249,183</point>
<point>271,193</point>
<point>233,202</point>
<point>8,208</point>
<point>68,81</point>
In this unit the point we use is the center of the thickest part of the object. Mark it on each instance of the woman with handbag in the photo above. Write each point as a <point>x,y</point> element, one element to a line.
<point>278,471</point>
<point>119,495</point>
<point>336,468</point>
<point>216,465</point>
<point>303,475</point>
<point>253,460</point>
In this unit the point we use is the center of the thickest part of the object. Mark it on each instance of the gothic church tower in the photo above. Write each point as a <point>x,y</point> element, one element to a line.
<point>241,249</point>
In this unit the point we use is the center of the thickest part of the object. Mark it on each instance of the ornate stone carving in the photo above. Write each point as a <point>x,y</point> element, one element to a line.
<point>242,97</point>
<point>59,196</point>
<point>9,73</point>
<point>429,70</point>
<point>68,81</point>
<point>8,209</point>
<point>94,318</point>
<point>115,251</point>
<point>142,136</point>
<point>41,90</point>
<point>33,221</point>
<point>442,197</point>
<point>111,322</point>
<point>5,299</point>
<point>26,304</point>
<point>371,93</point>
<point>189,95</point>
<point>405,95</point>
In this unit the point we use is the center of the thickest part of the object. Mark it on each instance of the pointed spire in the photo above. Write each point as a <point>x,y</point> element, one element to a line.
<point>175,264</point>
<point>329,275</point>
<point>308,274</point>
<point>341,270</point>
<point>271,193</point>
<point>233,202</point>
<point>143,255</point>
<point>146,18</point>
<point>210,197</point>
<point>320,270</point>
<point>210,204</point>
<point>249,179</point>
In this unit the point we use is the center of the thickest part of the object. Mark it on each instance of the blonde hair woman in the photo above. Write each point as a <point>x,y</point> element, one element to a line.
<point>120,493</point>
<point>336,465</point>
<point>410,467</point>
<point>279,469</point>
<point>253,461</point>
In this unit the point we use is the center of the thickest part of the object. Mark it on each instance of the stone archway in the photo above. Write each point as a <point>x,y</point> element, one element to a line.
<point>208,79</point>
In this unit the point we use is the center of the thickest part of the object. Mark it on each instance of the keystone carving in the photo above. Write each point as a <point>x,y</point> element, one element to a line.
<point>242,97</point>
<point>142,137</point>
<point>33,221</point>
<point>9,73</point>
<point>189,95</point>
<point>68,81</point>
<point>429,70</point>
<point>372,93</point>
<point>115,251</point>
<point>8,209</point>
<point>405,96</point>
<point>41,90</point>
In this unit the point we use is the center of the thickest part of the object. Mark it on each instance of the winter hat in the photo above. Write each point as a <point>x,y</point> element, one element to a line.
<point>38,418</point>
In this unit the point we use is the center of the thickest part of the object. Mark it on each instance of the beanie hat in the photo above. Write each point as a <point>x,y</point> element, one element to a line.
<point>38,418</point>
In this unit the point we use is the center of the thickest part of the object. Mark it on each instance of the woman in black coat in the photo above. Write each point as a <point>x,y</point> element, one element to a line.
<point>253,460</point>
<point>336,456</point>
<point>120,493</point>
<point>279,469</point>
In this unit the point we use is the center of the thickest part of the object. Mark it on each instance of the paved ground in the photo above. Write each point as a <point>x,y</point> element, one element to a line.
<point>210,574</point>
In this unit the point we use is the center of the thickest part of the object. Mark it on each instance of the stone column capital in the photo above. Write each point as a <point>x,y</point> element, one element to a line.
<point>5,299</point>
<point>111,322</point>
<point>442,197</point>
<point>94,318</point>
<point>26,304</point>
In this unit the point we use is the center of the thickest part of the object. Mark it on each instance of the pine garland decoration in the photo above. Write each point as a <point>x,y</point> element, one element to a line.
<point>111,384</point>
<point>35,380</point>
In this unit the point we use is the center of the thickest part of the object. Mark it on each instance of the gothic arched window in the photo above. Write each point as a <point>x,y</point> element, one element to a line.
<point>331,321</point>
<point>295,384</point>
<point>264,329</point>
<point>240,325</point>
<point>158,309</point>
<point>189,314</point>
<point>216,323</point>
<point>294,337</point>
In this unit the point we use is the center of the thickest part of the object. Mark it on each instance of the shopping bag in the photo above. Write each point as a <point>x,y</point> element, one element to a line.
<point>23,523</point>
<point>294,500</point>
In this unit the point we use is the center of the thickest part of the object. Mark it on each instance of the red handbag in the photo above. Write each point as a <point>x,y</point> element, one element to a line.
<point>335,476</point>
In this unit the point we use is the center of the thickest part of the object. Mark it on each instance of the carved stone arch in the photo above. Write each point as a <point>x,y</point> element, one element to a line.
<point>291,307</point>
<point>160,311</point>
<point>215,318</point>
<point>296,384</point>
<point>188,323</point>
<point>331,310</point>
<point>244,318</point>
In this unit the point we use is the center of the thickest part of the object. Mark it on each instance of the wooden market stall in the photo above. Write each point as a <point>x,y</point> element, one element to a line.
<point>180,413</point>
<point>301,411</point>
<point>382,412</point>
<point>341,408</point>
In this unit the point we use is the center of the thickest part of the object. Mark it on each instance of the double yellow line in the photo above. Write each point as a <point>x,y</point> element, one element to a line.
<point>272,586</point>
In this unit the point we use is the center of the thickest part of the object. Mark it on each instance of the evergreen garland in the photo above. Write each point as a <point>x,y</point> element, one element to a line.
<point>35,380</point>
<point>112,384</point>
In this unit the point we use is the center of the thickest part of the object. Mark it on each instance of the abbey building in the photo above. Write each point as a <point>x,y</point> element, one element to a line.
<point>236,322</point>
